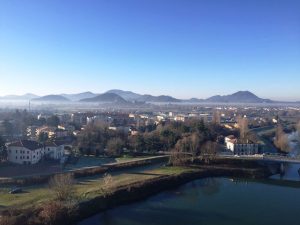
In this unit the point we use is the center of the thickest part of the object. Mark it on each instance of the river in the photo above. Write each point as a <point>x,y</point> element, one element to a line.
<point>214,201</point>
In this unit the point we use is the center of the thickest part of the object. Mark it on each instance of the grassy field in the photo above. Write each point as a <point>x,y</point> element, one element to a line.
<point>267,145</point>
<point>85,188</point>
<point>11,170</point>
<point>127,158</point>
<point>91,161</point>
<point>88,161</point>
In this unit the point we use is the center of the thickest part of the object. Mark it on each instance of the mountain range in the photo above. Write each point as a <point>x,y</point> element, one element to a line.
<point>51,98</point>
<point>238,97</point>
<point>123,97</point>
<point>27,96</point>
<point>106,98</point>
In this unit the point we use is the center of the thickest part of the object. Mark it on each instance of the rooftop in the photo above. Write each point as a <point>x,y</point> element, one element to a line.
<point>31,145</point>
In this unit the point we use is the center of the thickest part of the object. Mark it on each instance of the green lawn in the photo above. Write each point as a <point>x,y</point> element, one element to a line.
<point>85,188</point>
<point>90,161</point>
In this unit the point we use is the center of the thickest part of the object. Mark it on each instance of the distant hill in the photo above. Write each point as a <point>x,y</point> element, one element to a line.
<point>27,96</point>
<point>127,95</point>
<point>161,98</point>
<point>131,96</point>
<point>79,96</point>
<point>51,98</point>
<point>106,98</point>
<point>238,97</point>
<point>194,100</point>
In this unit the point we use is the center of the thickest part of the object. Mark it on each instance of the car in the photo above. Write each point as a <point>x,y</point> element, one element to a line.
<point>15,190</point>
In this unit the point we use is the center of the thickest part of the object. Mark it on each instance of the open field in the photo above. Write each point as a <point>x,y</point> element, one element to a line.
<point>267,145</point>
<point>88,161</point>
<point>45,168</point>
<point>85,188</point>
<point>13,170</point>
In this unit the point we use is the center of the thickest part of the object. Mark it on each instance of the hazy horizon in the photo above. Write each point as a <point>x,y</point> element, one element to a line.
<point>64,93</point>
<point>179,48</point>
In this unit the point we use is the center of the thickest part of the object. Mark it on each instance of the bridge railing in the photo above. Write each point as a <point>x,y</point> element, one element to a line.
<point>281,156</point>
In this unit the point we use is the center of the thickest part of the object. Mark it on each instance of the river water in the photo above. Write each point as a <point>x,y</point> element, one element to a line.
<point>215,201</point>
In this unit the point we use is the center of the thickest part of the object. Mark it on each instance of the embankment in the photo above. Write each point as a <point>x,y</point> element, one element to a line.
<point>134,192</point>
<point>85,172</point>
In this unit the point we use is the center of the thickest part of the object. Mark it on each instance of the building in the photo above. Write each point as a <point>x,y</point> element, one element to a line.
<point>31,132</point>
<point>31,152</point>
<point>54,150</point>
<point>24,152</point>
<point>238,147</point>
<point>52,132</point>
<point>78,118</point>
<point>180,117</point>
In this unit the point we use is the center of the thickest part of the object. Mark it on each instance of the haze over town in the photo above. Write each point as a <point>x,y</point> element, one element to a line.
<point>121,112</point>
<point>196,49</point>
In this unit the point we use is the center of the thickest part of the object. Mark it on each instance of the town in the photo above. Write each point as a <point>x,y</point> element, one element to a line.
<point>35,137</point>
<point>131,112</point>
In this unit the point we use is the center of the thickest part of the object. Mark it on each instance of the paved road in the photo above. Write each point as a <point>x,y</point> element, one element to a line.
<point>267,158</point>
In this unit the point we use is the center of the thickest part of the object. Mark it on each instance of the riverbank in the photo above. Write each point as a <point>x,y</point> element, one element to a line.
<point>124,191</point>
<point>84,172</point>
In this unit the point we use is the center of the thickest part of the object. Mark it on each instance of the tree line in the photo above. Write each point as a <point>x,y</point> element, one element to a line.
<point>190,136</point>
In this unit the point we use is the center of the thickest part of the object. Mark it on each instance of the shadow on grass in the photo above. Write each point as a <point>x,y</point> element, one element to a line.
<point>145,173</point>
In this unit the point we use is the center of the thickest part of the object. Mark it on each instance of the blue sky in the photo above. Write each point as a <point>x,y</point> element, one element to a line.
<point>184,48</point>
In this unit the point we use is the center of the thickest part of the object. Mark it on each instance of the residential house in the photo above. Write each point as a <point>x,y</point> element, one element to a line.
<point>24,152</point>
<point>31,152</point>
<point>239,147</point>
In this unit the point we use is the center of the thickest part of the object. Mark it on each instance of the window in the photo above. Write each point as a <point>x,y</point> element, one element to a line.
<point>27,152</point>
<point>27,157</point>
<point>16,151</point>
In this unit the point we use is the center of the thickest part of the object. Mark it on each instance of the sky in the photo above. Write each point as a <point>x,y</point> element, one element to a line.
<point>183,48</point>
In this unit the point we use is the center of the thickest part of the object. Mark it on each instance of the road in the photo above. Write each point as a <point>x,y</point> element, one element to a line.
<point>267,158</point>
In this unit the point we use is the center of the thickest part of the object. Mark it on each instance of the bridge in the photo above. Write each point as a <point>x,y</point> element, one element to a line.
<point>278,158</point>
<point>266,157</point>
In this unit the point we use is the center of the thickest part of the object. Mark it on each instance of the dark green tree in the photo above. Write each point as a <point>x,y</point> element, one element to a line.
<point>8,127</point>
<point>53,121</point>
<point>3,152</point>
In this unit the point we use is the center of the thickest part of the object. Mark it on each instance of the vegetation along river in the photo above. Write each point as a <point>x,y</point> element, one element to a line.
<point>215,201</point>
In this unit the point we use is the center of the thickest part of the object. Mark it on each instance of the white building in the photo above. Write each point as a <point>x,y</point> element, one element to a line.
<point>180,117</point>
<point>54,150</point>
<point>241,148</point>
<point>24,152</point>
<point>31,152</point>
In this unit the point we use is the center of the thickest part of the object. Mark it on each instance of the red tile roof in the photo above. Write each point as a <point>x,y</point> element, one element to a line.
<point>31,145</point>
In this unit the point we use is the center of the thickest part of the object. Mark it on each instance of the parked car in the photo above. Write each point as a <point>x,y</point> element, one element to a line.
<point>15,190</point>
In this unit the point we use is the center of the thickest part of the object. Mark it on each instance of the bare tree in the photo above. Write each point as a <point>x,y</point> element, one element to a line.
<point>298,128</point>
<point>216,119</point>
<point>63,186</point>
<point>281,139</point>
<point>243,126</point>
<point>209,151</point>
<point>194,144</point>
<point>115,146</point>
<point>52,213</point>
<point>180,154</point>
<point>108,184</point>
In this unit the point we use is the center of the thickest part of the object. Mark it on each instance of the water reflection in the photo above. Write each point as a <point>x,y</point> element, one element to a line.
<point>213,201</point>
<point>291,172</point>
